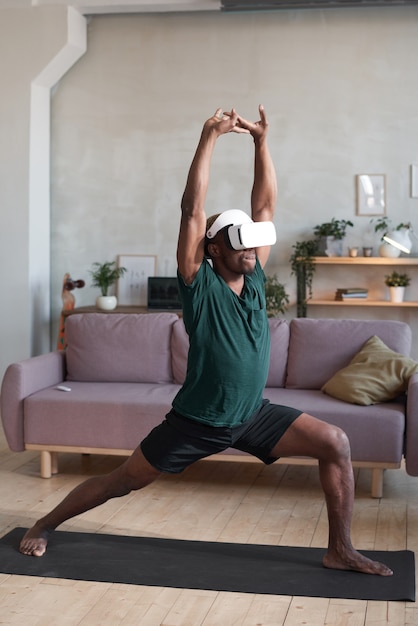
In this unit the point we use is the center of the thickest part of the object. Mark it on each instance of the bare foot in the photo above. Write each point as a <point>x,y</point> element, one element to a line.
<point>357,562</point>
<point>35,541</point>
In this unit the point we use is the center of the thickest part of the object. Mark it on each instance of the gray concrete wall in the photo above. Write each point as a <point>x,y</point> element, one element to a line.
<point>340,87</point>
<point>29,39</point>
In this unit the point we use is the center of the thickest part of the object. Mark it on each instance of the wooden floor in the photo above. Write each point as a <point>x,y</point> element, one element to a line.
<point>214,501</point>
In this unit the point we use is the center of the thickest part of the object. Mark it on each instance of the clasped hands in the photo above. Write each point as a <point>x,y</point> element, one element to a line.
<point>230,121</point>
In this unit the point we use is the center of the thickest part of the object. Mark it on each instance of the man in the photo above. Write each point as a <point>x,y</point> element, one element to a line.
<point>220,403</point>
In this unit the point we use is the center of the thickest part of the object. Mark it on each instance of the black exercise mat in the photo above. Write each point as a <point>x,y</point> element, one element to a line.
<point>207,565</point>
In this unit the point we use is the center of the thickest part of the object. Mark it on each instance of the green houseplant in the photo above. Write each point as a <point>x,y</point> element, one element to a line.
<point>397,283</point>
<point>104,275</point>
<point>383,224</point>
<point>335,228</point>
<point>277,299</point>
<point>330,236</point>
<point>302,264</point>
<point>397,280</point>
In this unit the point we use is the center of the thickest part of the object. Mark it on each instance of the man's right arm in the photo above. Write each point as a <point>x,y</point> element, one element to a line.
<point>191,241</point>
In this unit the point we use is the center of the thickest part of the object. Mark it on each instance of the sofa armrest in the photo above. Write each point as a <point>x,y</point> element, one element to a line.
<point>411,427</point>
<point>20,381</point>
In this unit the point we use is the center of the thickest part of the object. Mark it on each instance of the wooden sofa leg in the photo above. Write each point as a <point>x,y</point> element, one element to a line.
<point>54,462</point>
<point>377,482</point>
<point>46,464</point>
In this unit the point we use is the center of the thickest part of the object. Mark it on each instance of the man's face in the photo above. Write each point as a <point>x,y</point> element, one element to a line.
<point>241,261</point>
<point>235,261</point>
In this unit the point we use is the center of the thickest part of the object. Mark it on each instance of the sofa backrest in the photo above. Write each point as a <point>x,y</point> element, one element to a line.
<point>279,333</point>
<point>318,348</point>
<point>179,349</point>
<point>113,347</point>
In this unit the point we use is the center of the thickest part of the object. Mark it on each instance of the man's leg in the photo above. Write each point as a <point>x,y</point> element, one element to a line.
<point>308,436</point>
<point>133,474</point>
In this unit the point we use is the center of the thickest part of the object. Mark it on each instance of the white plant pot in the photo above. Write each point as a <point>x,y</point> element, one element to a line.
<point>396,294</point>
<point>106,303</point>
<point>388,251</point>
<point>329,246</point>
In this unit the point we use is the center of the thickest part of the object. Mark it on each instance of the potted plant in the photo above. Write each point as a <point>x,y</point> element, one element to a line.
<point>104,275</point>
<point>277,299</point>
<point>381,225</point>
<point>303,266</point>
<point>397,283</point>
<point>330,236</point>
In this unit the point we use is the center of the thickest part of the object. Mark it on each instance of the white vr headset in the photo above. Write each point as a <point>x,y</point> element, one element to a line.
<point>242,232</point>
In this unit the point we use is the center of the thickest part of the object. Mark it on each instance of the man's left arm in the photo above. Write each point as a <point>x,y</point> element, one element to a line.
<point>264,190</point>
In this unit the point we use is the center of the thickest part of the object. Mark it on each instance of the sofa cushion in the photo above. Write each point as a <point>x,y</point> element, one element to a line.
<point>375,374</point>
<point>279,333</point>
<point>97,415</point>
<point>380,441</point>
<point>179,350</point>
<point>113,347</point>
<point>320,347</point>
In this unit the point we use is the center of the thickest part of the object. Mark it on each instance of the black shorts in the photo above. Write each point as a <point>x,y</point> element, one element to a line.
<point>178,441</point>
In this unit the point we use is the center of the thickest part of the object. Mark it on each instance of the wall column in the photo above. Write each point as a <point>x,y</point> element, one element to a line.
<point>38,45</point>
<point>39,178</point>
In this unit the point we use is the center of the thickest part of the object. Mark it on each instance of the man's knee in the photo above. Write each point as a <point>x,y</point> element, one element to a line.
<point>338,444</point>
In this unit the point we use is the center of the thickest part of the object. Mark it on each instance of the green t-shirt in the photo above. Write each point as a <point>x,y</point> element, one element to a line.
<point>229,351</point>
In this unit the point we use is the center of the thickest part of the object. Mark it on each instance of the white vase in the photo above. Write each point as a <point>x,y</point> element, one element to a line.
<point>106,303</point>
<point>329,246</point>
<point>388,251</point>
<point>396,294</point>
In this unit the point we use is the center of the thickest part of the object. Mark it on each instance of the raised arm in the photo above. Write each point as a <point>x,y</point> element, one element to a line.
<point>190,248</point>
<point>264,191</point>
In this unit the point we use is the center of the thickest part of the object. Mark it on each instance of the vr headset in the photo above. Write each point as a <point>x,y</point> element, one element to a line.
<point>241,232</point>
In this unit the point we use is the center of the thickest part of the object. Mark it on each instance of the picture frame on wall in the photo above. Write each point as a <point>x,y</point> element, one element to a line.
<point>132,288</point>
<point>371,194</point>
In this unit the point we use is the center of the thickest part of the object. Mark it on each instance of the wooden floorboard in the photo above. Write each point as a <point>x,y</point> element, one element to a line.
<point>213,501</point>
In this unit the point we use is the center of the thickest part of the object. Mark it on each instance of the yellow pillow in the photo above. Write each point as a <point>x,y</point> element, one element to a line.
<point>375,374</point>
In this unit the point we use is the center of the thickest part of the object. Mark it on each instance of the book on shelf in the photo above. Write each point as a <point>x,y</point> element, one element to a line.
<point>351,293</point>
<point>353,290</point>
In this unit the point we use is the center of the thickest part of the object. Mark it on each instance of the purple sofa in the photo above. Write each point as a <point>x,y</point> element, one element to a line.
<point>124,370</point>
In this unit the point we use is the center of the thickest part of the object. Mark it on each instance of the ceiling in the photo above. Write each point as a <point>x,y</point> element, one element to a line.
<point>166,6</point>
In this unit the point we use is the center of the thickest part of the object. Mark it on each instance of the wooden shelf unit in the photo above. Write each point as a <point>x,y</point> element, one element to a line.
<point>358,302</point>
<point>364,260</point>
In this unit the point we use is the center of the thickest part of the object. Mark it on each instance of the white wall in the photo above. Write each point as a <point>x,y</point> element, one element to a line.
<point>340,87</point>
<point>29,40</point>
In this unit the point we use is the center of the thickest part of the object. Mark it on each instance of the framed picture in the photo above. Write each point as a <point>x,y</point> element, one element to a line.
<point>133,285</point>
<point>371,194</point>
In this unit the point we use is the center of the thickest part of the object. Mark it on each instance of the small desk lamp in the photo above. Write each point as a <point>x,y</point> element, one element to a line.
<point>400,239</point>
